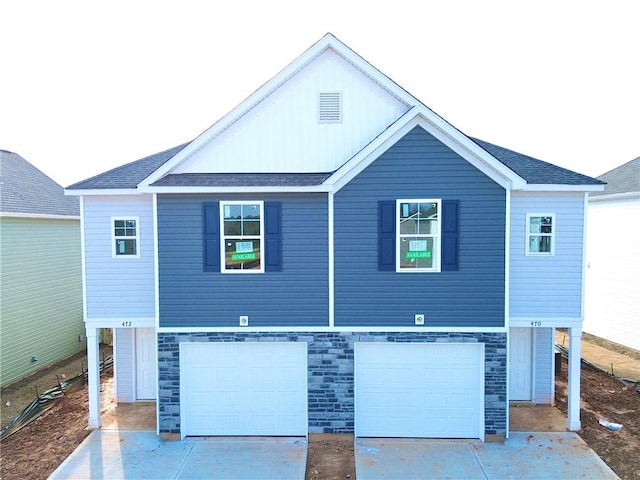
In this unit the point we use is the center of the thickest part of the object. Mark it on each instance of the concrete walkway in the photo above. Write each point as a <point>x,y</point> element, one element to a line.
<point>113,455</point>
<point>523,455</point>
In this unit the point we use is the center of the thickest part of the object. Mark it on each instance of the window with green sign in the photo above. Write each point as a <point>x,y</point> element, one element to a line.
<point>418,231</point>
<point>242,236</point>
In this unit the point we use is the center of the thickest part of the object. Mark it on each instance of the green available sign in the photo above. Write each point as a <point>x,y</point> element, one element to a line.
<point>241,257</point>
<point>422,254</point>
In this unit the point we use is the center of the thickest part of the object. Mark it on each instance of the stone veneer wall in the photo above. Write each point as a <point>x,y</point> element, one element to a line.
<point>330,375</point>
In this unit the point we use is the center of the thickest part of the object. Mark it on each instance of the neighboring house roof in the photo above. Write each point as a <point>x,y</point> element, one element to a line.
<point>27,191</point>
<point>536,171</point>
<point>622,179</point>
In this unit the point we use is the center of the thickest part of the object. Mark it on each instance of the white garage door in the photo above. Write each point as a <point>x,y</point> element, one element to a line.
<point>432,390</point>
<point>244,388</point>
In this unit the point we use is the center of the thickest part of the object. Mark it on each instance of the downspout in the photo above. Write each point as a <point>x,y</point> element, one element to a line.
<point>575,342</point>
<point>507,290</point>
<point>92,337</point>
<point>331,262</point>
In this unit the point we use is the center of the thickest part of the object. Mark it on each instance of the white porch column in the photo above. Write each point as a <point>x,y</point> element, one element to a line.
<point>573,388</point>
<point>93,367</point>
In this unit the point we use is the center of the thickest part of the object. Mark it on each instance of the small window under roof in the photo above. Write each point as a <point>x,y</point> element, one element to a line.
<point>330,107</point>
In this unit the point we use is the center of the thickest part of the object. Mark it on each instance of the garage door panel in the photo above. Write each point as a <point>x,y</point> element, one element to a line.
<point>419,390</point>
<point>243,388</point>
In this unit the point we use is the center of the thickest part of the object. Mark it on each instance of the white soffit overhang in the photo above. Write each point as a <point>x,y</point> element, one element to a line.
<point>103,191</point>
<point>615,196</point>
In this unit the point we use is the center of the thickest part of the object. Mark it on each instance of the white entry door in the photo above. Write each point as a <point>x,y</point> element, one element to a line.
<point>146,377</point>
<point>419,390</point>
<point>243,388</point>
<point>520,364</point>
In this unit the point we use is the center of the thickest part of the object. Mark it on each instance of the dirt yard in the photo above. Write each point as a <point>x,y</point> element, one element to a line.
<point>34,452</point>
<point>604,397</point>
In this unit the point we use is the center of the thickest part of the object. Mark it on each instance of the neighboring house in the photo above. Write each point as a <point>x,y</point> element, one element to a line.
<point>332,256</point>
<point>40,271</point>
<point>612,303</point>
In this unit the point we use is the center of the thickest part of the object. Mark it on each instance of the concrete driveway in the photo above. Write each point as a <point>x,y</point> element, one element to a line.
<point>523,455</point>
<point>131,454</point>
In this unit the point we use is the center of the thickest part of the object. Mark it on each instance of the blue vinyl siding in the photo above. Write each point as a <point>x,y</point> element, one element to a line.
<point>540,286</point>
<point>296,296</point>
<point>543,370</point>
<point>419,166</point>
<point>118,287</point>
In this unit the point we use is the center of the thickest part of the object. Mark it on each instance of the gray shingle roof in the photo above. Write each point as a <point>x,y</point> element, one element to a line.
<point>129,175</point>
<point>622,179</point>
<point>243,179</point>
<point>536,171</point>
<point>25,189</point>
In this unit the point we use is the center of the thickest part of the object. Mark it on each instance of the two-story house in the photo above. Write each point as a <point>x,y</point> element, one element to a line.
<point>332,256</point>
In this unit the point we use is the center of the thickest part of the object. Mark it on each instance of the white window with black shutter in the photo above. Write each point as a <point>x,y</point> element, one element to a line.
<point>418,235</point>
<point>242,236</point>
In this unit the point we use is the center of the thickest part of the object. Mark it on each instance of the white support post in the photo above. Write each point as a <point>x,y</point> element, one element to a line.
<point>573,388</point>
<point>93,367</point>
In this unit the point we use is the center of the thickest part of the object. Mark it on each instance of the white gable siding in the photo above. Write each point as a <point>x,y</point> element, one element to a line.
<point>282,133</point>
<point>612,300</point>
<point>118,287</point>
<point>547,286</point>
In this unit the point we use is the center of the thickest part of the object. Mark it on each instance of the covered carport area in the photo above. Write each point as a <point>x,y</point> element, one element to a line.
<point>134,360</point>
<point>574,332</point>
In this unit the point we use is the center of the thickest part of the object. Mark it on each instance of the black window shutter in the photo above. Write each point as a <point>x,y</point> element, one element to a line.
<point>450,235</point>
<point>211,236</point>
<point>273,236</point>
<point>387,235</point>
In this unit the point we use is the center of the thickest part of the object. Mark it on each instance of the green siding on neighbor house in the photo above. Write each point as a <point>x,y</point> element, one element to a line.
<point>40,294</point>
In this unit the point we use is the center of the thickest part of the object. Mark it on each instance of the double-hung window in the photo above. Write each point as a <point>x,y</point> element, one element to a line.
<point>125,237</point>
<point>242,242</point>
<point>540,234</point>
<point>418,235</point>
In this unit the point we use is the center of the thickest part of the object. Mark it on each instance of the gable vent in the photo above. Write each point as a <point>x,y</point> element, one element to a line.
<point>330,107</point>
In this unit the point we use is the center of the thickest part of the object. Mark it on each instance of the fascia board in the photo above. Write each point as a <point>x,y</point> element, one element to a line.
<point>615,196</point>
<point>472,152</point>
<point>440,129</point>
<point>102,191</point>
<point>41,216</point>
<point>539,187</point>
<point>328,41</point>
<point>280,189</point>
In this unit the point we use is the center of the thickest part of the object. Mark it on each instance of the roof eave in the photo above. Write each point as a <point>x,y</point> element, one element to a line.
<point>323,188</point>
<point>543,187</point>
<point>101,191</point>
<point>615,196</point>
<point>38,216</point>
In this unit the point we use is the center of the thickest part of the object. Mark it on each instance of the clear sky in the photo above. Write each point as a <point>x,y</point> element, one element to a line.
<point>86,86</point>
